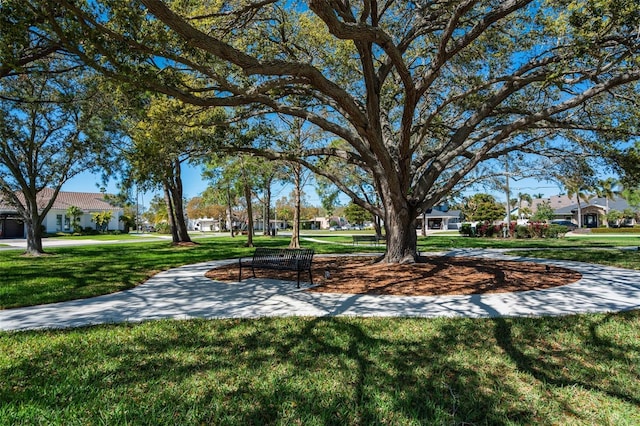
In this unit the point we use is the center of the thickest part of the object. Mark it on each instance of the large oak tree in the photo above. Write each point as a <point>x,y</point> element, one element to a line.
<point>53,126</point>
<point>422,92</point>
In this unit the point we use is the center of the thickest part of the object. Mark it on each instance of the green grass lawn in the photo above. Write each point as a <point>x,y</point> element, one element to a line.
<point>104,237</point>
<point>453,241</point>
<point>629,259</point>
<point>582,369</point>
<point>325,371</point>
<point>443,242</point>
<point>69,273</point>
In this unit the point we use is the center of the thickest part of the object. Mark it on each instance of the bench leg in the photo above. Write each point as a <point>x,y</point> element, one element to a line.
<point>298,278</point>
<point>240,270</point>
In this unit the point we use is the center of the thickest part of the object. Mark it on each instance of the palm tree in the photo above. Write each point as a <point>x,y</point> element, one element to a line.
<point>523,196</point>
<point>606,188</point>
<point>577,188</point>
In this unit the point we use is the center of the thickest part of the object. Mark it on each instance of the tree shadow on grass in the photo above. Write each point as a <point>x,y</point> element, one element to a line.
<point>298,370</point>
<point>597,354</point>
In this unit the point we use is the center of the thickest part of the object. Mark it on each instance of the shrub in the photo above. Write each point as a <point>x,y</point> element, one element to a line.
<point>634,230</point>
<point>163,228</point>
<point>484,230</point>
<point>554,231</point>
<point>467,230</point>
<point>538,229</point>
<point>522,232</point>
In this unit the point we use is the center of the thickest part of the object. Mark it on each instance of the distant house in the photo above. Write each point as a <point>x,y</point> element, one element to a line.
<point>327,222</point>
<point>593,211</point>
<point>12,225</point>
<point>440,217</point>
<point>205,224</point>
<point>555,202</point>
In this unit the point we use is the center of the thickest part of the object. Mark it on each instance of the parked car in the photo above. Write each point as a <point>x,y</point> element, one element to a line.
<point>570,225</point>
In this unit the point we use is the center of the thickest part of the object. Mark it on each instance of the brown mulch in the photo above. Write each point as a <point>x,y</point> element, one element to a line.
<point>430,276</point>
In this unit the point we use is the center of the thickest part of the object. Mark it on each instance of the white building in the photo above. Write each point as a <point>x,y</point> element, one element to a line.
<point>57,220</point>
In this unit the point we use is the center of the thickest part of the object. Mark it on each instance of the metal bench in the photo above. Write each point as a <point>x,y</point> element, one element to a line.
<point>286,259</point>
<point>367,239</point>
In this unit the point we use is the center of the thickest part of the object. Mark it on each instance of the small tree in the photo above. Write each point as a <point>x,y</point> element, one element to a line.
<point>613,217</point>
<point>356,214</point>
<point>128,221</point>
<point>102,220</point>
<point>482,207</point>
<point>75,213</point>
<point>544,212</point>
<point>629,214</point>
<point>607,189</point>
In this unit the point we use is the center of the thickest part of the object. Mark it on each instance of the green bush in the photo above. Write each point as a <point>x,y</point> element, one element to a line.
<point>488,230</point>
<point>163,228</point>
<point>467,230</point>
<point>538,229</point>
<point>634,230</point>
<point>522,231</point>
<point>88,230</point>
<point>554,231</point>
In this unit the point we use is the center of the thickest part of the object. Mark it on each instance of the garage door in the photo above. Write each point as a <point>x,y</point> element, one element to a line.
<point>11,228</point>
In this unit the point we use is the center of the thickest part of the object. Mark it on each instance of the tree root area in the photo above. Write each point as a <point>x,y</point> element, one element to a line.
<point>429,276</point>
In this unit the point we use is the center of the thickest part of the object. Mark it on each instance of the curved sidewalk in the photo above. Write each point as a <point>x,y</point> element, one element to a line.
<point>186,293</point>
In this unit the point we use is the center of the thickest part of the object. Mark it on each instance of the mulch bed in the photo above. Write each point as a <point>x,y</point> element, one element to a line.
<point>430,276</point>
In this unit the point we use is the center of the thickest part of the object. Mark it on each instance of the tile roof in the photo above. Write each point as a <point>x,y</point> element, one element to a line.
<point>440,213</point>
<point>85,201</point>
<point>615,204</point>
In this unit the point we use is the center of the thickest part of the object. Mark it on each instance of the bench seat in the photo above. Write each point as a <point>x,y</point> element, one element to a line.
<point>282,259</point>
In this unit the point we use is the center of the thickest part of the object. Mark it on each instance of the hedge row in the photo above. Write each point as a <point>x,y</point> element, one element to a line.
<point>634,230</point>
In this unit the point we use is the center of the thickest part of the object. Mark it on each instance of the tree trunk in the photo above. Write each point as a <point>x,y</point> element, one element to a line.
<point>247,196</point>
<point>295,234</point>
<point>267,211</point>
<point>229,213</point>
<point>34,235</point>
<point>182,231</point>
<point>400,227</point>
<point>170,214</point>
<point>377,226</point>
<point>579,214</point>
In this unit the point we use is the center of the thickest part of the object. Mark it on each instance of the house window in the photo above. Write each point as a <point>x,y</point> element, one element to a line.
<point>59,222</point>
<point>67,223</point>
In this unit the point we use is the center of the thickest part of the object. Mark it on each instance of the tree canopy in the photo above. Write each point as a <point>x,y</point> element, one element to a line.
<point>53,126</point>
<point>421,94</point>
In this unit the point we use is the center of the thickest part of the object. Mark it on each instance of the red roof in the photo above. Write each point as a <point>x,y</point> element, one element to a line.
<point>85,201</point>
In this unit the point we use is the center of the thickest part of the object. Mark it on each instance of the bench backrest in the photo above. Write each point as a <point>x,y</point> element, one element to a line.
<point>295,258</point>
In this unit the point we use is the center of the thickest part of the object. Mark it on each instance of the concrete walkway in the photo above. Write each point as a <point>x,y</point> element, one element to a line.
<point>185,293</point>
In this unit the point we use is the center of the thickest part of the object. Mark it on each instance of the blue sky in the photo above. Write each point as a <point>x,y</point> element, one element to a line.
<point>194,185</point>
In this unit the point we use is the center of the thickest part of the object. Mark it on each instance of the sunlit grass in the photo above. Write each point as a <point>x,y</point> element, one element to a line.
<point>572,370</point>
<point>453,241</point>
<point>580,369</point>
<point>68,273</point>
<point>622,258</point>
